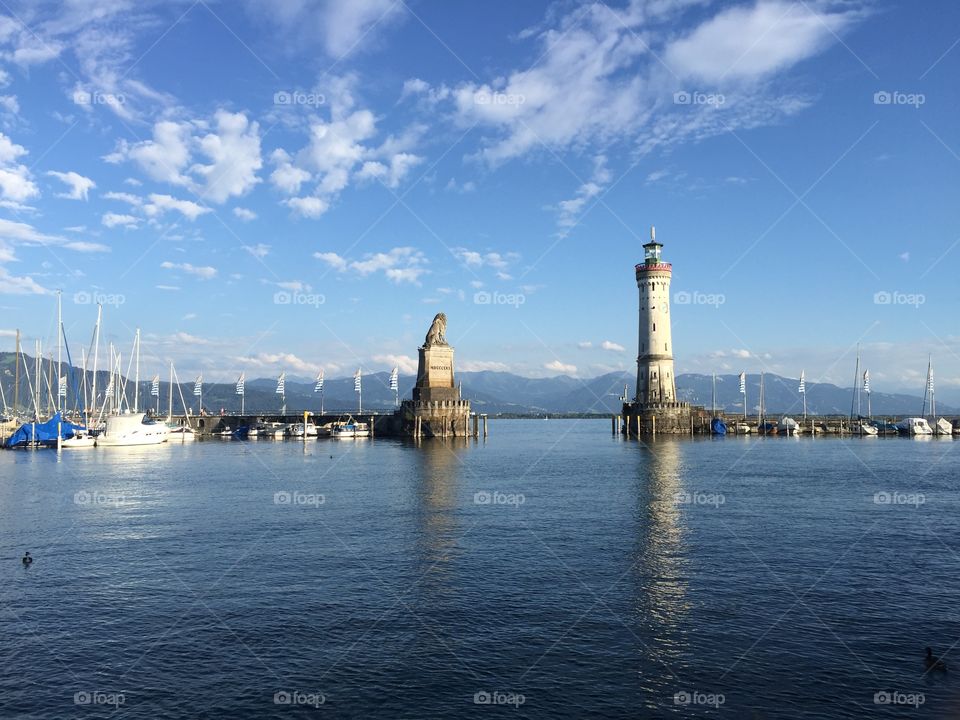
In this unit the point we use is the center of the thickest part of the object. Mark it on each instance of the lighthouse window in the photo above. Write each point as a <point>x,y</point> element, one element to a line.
<point>654,327</point>
<point>665,348</point>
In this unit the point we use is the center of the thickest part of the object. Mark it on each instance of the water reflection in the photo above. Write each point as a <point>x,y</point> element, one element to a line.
<point>662,563</point>
<point>438,481</point>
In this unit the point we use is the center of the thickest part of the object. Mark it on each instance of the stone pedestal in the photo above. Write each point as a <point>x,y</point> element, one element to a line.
<point>436,409</point>
<point>435,380</point>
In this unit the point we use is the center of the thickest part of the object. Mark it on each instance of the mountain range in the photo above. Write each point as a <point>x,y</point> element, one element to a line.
<point>490,392</point>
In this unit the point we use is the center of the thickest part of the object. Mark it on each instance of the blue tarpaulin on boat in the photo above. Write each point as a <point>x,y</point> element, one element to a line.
<point>718,427</point>
<point>45,433</point>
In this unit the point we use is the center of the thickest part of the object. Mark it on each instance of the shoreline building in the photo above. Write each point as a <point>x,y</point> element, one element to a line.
<point>655,407</point>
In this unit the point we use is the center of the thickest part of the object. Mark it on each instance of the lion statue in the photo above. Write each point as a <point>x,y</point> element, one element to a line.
<point>436,335</point>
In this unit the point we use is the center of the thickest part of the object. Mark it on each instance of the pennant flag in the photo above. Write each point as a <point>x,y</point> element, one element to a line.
<point>62,386</point>
<point>155,386</point>
<point>930,379</point>
<point>743,383</point>
<point>109,386</point>
<point>281,384</point>
<point>198,385</point>
<point>241,382</point>
<point>803,382</point>
<point>395,379</point>
<point>319,386</point>
<point>866,381</point>
<point>356,381</point>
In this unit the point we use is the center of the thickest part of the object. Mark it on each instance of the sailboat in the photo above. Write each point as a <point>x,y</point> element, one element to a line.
<point>717,425</point>
<point>857,424</point>
<point>940,426</point>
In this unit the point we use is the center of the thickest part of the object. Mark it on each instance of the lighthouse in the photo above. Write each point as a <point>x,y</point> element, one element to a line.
<point>656,408</point>
<point>655,381</point>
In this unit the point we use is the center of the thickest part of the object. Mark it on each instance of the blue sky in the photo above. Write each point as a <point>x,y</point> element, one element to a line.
<point>296,184</point>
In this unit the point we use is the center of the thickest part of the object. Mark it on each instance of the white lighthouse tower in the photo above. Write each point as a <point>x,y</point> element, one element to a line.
<point>655,381</point>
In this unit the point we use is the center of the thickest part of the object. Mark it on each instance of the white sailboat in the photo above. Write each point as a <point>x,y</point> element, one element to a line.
<point>940,426</point>
<point>858,426</point>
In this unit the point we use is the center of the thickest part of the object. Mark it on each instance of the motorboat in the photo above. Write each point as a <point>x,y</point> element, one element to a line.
<point>303,430</point>
<point>862,427</point>
<point>350,429</point>
<point>943,427</point>
<point>80,439</point>
<point>914,426</point>
<point>744,429</point>
<point>132,429</point>
<point>181,433</point>
<point>788,426</point>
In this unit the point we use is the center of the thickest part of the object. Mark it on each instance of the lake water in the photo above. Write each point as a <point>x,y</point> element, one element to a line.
<point>552,571</point>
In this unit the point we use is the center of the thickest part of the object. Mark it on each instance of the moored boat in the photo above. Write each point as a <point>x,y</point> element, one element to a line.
<point>914,426</point>
<point>943,427</point>
<point>350,429</point>
<point>132,429</point>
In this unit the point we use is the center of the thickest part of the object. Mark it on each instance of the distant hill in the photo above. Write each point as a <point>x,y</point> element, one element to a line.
<point>490,392</point>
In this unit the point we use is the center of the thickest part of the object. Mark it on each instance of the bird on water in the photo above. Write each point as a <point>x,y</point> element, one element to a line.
<point>933,662</point>
<point>26,559</point>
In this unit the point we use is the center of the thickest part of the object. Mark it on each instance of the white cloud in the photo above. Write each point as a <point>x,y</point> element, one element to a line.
<point>400,264</point>
<point>132,200</point>
<point>571,211</point>
<point>343,26</point>
<point>112,220</point>
<point>202,272</point>
<point>407,364</point>
<point>12,285</point>
<point>584,345</point>
<point>161,203</point>
<point>286,176</point>
<point>85,247</point>
<point>629,61</point>
<point>332,259</point>
<point>244,214</point>
<point>234,152</point>
<point>79,185</point>
<point>475,259</point>
<point>277,361</point>
<point>259,250</point>
<point>483,365</point>
<point>754,41</point>
<point>16,185</point>
<point>231,144</point>
<point>562,368</point>
<point>612,346</point>
<point>310,207</point>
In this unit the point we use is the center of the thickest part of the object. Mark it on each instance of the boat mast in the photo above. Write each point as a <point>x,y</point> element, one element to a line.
<point>170,399</point>
<point>136,377</point>
<point>713,397</point>
<point>16,376</point>
<point>59,350</point>
<point>96,348</point>
<point>933,396</point>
